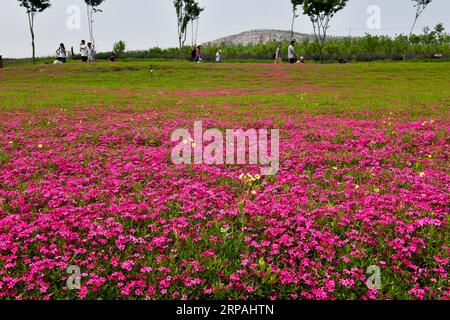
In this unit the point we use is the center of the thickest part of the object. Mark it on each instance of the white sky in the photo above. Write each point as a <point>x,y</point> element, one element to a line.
<point>147,23</point>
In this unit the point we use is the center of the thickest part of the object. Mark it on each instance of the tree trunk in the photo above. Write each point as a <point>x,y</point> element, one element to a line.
<point>34,48</point>
<point>321,53</point>
<point>192,33</point>
<point>181,47</point>
<point>31,24</point>
<point>196,31</point>
<point>89,19</point>
<point>183,41</point>
<point>292,26</point>
<point>90,15</point>
<point>405,54</point>
<point>92,31</point>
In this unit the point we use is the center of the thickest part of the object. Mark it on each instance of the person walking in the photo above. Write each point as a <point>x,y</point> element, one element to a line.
<point>194,53</point>
<point>198,54</point>
<point>291,52</point>
<point>61,53</point>
<point>91,52</point>
<point>278,54</point>
<point>84,50</point>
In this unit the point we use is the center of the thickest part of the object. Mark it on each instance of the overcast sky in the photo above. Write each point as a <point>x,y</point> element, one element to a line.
<point>147,23</point>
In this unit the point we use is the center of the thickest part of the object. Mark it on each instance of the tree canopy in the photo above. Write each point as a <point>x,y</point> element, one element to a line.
<point>94,3</point>
<point>34,6</point>
<point>317,9</point>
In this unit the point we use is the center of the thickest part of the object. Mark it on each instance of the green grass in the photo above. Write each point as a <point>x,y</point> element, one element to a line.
<point>415,88</point>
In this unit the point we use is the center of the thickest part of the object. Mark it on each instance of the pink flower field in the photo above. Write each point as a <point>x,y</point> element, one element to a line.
<point>94,187</point>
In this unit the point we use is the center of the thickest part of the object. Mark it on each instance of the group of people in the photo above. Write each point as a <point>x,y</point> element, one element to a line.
<point>292,55</point>
<point>87,52</point>
<point>197,55</point>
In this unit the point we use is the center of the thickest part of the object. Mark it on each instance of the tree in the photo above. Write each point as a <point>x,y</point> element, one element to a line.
<point>320,12</point>
<point>439,30</point>
<point>119,47</point>
<point>420,6</point>
<point>295,5</point>
<point>182,22</point>
<point>187,11</point>
<point>194,10</point>
<point>33,7</point>
<point>92,8</point>
<point>427,38</point>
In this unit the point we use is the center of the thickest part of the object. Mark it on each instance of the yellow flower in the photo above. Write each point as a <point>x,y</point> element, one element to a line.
<point>377,190</point>
<point>193,145</point>
<point>335,168</point>
<point>430,156</point>
<point>40,146</point>
<point>257,177</point>
<point>254,192</point>
<point>11,142</point>
<point>357,187</point>
<point>241,176</point>
<point>422,174</point>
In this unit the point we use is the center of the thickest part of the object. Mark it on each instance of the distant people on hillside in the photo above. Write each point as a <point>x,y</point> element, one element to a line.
<point>219,56</point>
<point>84,50</point>
<point>91,52</point>
<point>198,54</point>
<point>61,53</point>
<point>291,52</point>
<point>278,54</point>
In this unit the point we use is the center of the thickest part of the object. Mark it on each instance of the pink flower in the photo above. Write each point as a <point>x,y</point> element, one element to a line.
<point>127,265</point>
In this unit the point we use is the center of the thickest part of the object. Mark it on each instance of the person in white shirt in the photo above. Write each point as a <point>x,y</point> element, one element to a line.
<point>61,53</point>
<point>84,51</point>
<point>219,56</point>
<point>291,52</point>
<point>91,52</point>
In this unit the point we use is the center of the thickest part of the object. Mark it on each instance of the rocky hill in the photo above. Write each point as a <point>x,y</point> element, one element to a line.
<point>259,36</point>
